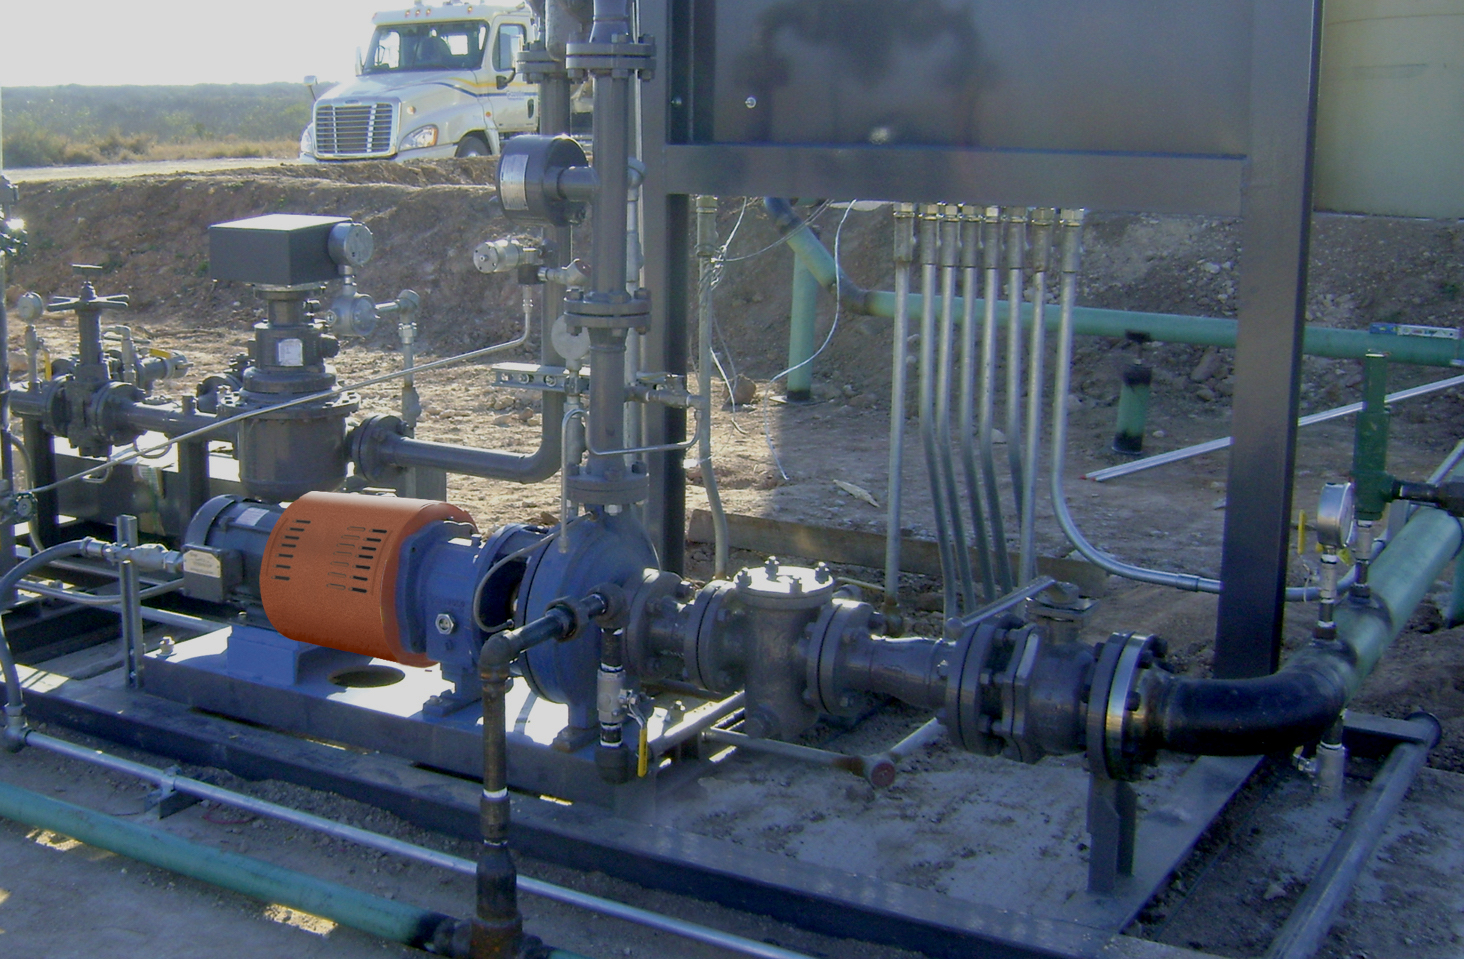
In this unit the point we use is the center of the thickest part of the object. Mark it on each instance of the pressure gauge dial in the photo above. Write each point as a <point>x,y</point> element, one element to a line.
<point>30,307</point>
<point>1336,519</point>
<point>351,244</point>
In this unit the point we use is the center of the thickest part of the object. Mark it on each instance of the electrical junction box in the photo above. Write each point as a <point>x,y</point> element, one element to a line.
<point>278,249</point>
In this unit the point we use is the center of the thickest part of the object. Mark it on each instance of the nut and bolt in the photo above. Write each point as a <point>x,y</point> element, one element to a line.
<point>445,623</point>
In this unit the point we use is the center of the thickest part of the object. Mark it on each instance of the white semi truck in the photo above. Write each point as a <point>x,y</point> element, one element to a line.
<point>437,81</point>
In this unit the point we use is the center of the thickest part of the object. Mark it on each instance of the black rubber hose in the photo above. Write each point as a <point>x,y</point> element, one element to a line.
<point>1252,717</point>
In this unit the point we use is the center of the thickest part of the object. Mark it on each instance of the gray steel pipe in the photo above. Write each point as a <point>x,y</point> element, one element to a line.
<point>970,263</point>
<point>1016,252</point>
<point>532,467</point>
<point>900,350</point>
<point>991,264</point>
<point>928,335</point>
<point>950,227</point>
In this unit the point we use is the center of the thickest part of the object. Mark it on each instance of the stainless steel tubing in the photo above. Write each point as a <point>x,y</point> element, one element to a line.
<point>950,236</point>
<point>706,249</point>
<point>991,263</point>
<point>1327,893</point>
<point>970,260</point>
<point>1040,251</point>
<point>406,850</point>
<point>1071,238</point>
<point>900,351</point>
<point>1015,219</point>
<point>927,407</point>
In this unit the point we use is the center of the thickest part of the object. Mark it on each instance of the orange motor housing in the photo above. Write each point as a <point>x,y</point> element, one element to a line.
<point>329,575</point>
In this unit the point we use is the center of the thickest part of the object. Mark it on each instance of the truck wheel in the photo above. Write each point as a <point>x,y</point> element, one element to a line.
<point>473,145</point>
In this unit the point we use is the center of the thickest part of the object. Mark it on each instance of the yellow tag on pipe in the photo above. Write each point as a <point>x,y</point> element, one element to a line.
<point>643,758</point>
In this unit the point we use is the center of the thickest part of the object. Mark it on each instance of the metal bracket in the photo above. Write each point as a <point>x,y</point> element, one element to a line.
<point>530,376</point>
<point>166,800</point>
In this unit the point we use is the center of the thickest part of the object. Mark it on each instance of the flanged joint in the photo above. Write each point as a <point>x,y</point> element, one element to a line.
<point>620,58</point>
<point>612,311</point>
<point>1117,706</point>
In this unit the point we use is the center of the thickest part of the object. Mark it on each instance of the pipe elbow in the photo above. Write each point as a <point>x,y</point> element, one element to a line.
<point>1247,717</point>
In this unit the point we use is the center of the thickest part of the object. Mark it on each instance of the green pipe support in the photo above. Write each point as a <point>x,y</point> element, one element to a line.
<point>801,329</point>
<point>1455,616</point>
<point>1118,324</point>
<point>394,921</point>
<point>1372,484</point>
<point>1133,409</point>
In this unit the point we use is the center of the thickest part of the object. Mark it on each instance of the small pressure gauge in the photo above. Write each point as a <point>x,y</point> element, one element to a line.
<point>351,244</point>
<point>1336,519</point>
<point>30,307</point>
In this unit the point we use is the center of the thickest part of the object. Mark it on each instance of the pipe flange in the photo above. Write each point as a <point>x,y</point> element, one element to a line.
<point>652,607</point>
<point>777,587</point>
<point>1014,685</point>
<point>603,491</point>
<point>596,312</point>
<point>614,59</point>
<point>1115,706</point>
<point>964,717</point>
<point>366,442</point>
<point>830,637</point>
<point>700,651</point>
<point>106,411</point>
<point>536,65</point>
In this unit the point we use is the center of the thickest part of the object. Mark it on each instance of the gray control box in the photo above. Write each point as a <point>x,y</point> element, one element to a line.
<point>278,249</point>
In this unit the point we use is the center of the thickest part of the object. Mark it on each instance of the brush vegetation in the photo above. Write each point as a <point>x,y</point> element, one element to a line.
<point>49,126</point>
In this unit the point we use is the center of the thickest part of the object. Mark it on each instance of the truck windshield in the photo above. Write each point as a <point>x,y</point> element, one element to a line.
<point>427,46</point>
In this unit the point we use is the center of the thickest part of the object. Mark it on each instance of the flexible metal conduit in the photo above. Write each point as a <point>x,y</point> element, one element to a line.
<point>397,847</point>
<point>1071,254</point>
<point>1117,324</point>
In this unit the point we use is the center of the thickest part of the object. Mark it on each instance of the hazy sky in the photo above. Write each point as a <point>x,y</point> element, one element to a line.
<point>171,41</point>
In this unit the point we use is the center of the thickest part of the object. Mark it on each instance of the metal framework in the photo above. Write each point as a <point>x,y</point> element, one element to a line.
<point>1200,106</point>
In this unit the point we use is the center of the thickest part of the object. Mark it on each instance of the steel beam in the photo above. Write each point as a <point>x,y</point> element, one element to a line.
<point>1274,236</point>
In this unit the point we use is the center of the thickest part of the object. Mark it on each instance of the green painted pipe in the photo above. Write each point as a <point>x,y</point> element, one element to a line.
<point>394,921</point>
<point>1455,615</point>
<point>1213,331</point>
<point>1117,324</point>
<point>801,330</point>
<point>1133,409</point>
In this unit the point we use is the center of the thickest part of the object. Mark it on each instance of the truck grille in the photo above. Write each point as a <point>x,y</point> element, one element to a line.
<point>355,130</point>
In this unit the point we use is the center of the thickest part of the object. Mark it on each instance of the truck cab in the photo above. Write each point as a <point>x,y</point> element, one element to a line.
<point>437,81</point>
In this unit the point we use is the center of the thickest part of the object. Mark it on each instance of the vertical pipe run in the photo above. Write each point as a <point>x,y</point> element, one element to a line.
<point>970,261</point>
<point>1133,408</point>
<point>1036,354</point>
<point>949,574</point>
<point>1016,251</point>
<point>904,255</point>
<point>498,925</point>
<point>991,263</point>
<point>950,238</point>
<point>801,333</point>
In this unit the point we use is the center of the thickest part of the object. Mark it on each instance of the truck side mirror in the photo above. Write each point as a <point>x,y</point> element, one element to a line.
<point>503,81</point>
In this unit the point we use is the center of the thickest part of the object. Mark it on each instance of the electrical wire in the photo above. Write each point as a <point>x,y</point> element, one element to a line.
<point>833,328</point>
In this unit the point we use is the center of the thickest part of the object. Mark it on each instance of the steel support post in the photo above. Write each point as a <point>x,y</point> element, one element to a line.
<point>1276,210</point>
<point>668,239</point>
